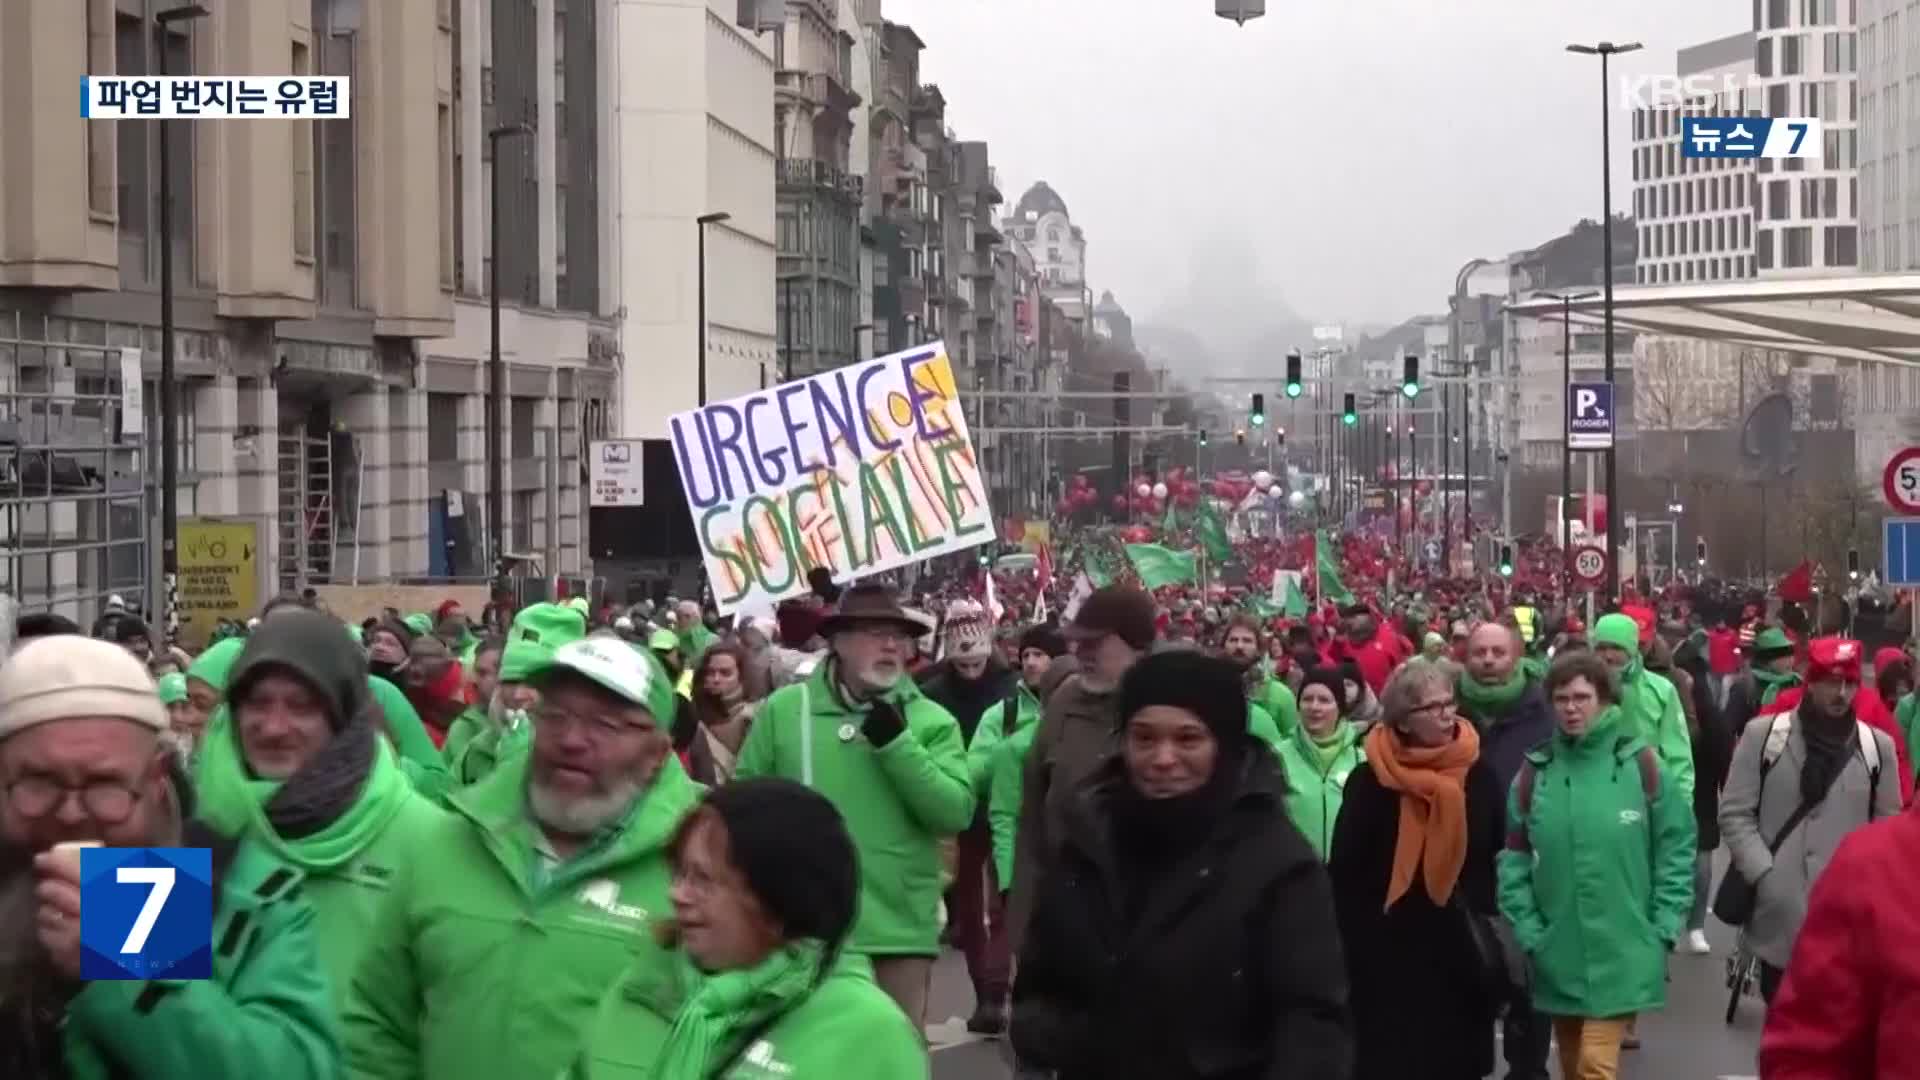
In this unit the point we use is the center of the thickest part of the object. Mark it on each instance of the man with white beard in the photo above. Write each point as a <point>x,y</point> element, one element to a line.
<point>538,891</point>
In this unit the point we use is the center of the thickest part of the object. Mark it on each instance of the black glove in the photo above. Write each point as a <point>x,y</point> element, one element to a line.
<point>883,724</point>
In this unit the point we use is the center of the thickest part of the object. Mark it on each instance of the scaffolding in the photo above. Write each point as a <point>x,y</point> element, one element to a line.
<point>75,501</point>
<point>306,516</point>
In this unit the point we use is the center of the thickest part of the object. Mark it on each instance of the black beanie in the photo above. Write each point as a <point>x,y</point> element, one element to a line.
<point>1045,638</point>
<point>792,846</point>
<point>1334,679</point>
<point>1212,688</point>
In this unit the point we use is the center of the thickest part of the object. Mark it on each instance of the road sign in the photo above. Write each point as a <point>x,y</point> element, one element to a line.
<point>1901,481</point>
<point>1900,552</point>
<point>613,473</point>
<point>1590,416</point>
<point>1590,566</point>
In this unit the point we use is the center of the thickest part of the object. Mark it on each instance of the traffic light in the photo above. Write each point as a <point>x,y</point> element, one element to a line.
<point>1293,375</point>
<point>1259,415</point>
<point>1348,415</point>
<point>1240,436</point>
<point>1700,551</point>
<point>1506,559</point>
<point>1280,436</point>
<point>1853,564</point>
<point>1203,436</point>
<point>1410,377</point>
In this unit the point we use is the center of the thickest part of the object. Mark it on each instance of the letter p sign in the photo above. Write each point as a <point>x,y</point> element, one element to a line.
<point>1584,401</point>
<point>1590,416</point>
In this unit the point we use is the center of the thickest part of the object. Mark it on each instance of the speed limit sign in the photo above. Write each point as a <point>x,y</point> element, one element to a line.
<point>1901,481</point>
<point>1590,565</point>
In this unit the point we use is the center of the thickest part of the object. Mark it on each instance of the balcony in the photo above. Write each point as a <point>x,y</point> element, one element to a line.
<point>809,174</point>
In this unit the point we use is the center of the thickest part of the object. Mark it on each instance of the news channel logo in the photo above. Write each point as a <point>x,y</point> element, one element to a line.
<point>1751,137</point>
<point>146,913</point>
<point>1732,92</point>
<point>214,97</point>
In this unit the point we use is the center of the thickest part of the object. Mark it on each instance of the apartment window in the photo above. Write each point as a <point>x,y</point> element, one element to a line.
<point>443,427</point>
<point>521,519</point>
<point>443,162</point>
<point>1796,247</point>
<point>302,167</point>
<point>101,193</point>
<point>520,428</point>
<point>1779,196</point>
<point>1779,100</point>
<point>1790,48</point>
<point>1763,249</point>
<point>1763,58</point>
<point>1842,245</point>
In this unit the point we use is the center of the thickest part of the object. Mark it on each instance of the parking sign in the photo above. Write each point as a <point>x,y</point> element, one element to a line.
<point>1590,416</point>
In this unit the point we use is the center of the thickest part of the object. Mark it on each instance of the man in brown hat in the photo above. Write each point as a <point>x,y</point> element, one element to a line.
<point>892,761</point>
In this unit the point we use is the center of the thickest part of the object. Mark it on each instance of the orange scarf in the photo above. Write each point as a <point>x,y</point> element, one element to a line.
<point>1431,781</point>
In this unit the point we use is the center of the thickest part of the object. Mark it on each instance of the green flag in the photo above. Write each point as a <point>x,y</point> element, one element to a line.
<point>1260,607</point>
<point>1171,522</point>
<point>1098,569</point>
<point>1326,569</point>
<point>1296,603</point>
<point>1159,566</point>
<point>1213,534</point>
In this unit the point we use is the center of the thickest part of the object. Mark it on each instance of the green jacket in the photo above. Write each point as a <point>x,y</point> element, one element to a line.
<point>484,964</point>
<point>1651,705</point>
<point>427,771</point>
<point>470,723</point>
<point>1276,697</point>
<point>1597,876</point>
<point>1907,716</point>
<point>1260,725</point>
<point>1004,799</point>
<point>265,1012</point>
<point>810,1039</point>
<point>984,750</point>
<point>1317,781</point>
<point>899,801</point>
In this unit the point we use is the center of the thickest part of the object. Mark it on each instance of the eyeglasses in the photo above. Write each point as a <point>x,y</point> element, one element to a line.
<point>1444,705</point>
<point>600,728</point>
<point>106,801</point>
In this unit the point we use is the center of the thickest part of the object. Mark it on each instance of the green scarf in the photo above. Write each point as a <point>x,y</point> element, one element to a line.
<point>232,800</point>
<point>1772,683</point>
<point>1492,703</point>
<point>1327,750</point>
<point>727,1009</point>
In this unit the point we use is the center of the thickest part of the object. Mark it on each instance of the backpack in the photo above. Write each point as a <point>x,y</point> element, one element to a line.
<point>1782,727</point>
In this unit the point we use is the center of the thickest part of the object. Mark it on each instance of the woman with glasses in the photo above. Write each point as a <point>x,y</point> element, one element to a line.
<point>1597,872</point>
<point>1412,862</point>
<point>765,886</point>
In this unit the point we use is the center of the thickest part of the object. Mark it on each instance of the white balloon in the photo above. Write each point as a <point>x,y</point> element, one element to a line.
<point>1263,479</point>
<point>1159,491</point>
<point>1143,491</point>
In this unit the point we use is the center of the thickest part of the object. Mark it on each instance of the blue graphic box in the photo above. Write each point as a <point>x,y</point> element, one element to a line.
<point>146,913</point>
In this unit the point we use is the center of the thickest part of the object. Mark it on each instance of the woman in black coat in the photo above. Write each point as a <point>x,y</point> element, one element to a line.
<point>1712,754</point>
<point>1186,931</point>
<point>1418,1005</point>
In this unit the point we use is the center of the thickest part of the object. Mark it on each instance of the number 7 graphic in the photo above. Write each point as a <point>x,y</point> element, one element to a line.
<point>1799,136</point>
<point>161,878</point>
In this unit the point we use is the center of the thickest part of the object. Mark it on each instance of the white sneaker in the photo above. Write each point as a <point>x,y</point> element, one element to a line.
<point>1697,943</point>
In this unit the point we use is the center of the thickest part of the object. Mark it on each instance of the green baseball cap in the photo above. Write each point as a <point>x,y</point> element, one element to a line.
<point>536,632</point>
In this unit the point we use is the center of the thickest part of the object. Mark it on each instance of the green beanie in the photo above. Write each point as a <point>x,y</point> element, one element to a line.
<point>173,688</point>
<point>420,623</point>
<point>537,631</point>
<point>1619,631</point>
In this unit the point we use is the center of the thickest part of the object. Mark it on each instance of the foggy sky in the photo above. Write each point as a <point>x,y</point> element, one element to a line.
<point>1363,149</point>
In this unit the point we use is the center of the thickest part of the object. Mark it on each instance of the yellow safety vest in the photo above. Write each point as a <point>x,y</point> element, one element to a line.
<point>1524,616</point>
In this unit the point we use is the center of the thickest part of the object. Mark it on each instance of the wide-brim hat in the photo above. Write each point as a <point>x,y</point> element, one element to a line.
<point>871,603</point>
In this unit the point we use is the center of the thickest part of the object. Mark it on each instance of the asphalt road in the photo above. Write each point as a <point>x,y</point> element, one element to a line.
<point>1685,1041</point>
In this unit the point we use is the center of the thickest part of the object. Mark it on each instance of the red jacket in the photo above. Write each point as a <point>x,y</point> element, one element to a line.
<point>1870,710</point>
<point>1850,1004</point>
<point>1374,661</point>
<point>1723,651</point>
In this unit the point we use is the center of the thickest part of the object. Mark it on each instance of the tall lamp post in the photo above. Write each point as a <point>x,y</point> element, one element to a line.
<point>701,224</point>
<point>1567,301</point>
<point>496,367</point>
<point>1606,51</point>
<point>169,390</point>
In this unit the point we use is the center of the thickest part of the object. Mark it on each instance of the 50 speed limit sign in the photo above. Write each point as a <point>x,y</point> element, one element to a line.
<point>1589,565</point>
<point>1901,481</point>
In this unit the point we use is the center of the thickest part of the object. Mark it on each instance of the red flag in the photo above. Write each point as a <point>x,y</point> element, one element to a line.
<point>1797,586</point>
<point>1043,567</point>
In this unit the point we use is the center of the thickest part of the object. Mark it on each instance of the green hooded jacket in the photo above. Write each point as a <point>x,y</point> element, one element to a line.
<point>725,1022</point>
<point>1597,875</point>
<point>211,667</point>
<point>481,964</point>
<point>265,1012</point>
<point>1317,780</point>
<point>348,865</point>
<point>1649,704</point>
<point>1276,697</point>
<point>465,727</point>
<point>984,750</point>
<point>1906,715</point>
<point>899,801</point>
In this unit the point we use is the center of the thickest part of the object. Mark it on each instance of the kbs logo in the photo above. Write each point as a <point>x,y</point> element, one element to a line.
<point>146,913</point>
<point>1674,91</point>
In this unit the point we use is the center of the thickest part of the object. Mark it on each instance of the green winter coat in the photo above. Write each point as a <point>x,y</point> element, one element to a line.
<point>265,1012</point>
<point>1317,781</point>
<point>1907,716</point>
<point>899,801</point>
<point>470,723</point>
<point>1260,725</point>
<point>985,748</point>
<point>419,757</point>
<point>1597,878</point>
<point>1004,797</point>
<point>724,1022</point>
<point>1649,704</point>
<point>1276,697</point>
<point>483,965</point>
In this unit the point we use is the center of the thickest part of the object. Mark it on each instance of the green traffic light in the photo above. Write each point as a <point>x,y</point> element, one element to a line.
<point>1293,389</point>
<point>1258,419</point>
<point>1411,390</point>
<point>1349,419</point>
<point>1506,571</point>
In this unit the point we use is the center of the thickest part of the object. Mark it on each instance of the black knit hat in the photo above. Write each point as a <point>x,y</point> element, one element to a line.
<point>1333,679</point>
<point>1210,687</point>
<point>792,846</point>
<point>1045,638</point>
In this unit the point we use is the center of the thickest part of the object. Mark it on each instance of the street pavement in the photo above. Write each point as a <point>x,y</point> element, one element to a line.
<point>1686,1041</point>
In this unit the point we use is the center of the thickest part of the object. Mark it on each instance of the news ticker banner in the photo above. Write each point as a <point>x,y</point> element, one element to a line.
<point>146,913</point>
<point>1751,137</point>
<point>859,470</point>
<point>214,97</point>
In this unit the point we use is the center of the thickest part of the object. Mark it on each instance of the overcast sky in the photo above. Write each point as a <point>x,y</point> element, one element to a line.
<point>1364,148</point>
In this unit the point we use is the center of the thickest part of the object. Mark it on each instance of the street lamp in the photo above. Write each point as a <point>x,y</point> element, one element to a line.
<point>701,224</point>
<point>169,391</point>
<point>1606,51</point>
<point>1567,300</point>
<point>496,367</point>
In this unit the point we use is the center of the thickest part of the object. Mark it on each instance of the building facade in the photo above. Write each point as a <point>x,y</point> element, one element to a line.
<point>1807,212</point>
<point>1042,222</point>
<point>327,277</point>
<point>1888,57</point>
<point>1696,215</point>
